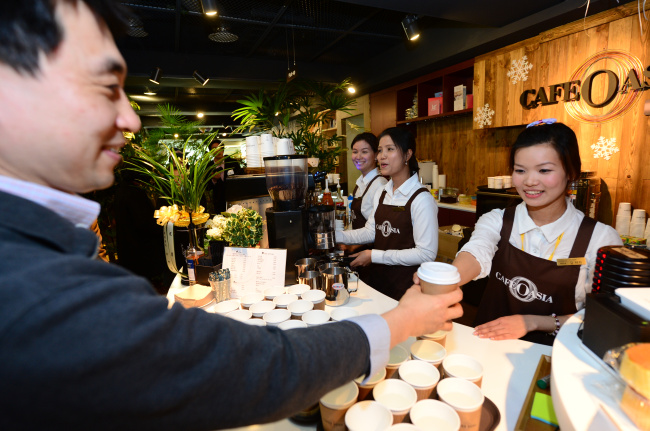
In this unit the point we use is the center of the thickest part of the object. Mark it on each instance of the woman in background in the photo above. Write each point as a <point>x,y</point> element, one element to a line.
<point>404,224</point>
<point>364,157</point>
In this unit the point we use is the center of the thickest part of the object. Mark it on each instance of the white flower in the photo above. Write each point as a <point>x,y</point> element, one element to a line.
<point>234,209</point>
<point>214,232</point>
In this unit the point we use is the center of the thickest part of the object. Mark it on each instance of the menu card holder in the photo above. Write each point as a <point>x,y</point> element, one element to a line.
<point>525,422</point>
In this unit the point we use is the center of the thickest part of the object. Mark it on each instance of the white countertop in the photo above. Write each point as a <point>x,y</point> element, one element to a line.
<point>509,366</point>
<point>458,207</point>
<point>582,386</point>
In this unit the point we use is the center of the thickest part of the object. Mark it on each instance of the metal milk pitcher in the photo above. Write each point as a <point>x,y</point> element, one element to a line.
<point>335,285</point>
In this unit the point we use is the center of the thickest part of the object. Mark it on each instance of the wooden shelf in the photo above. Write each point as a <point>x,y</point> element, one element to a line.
<point>433,117</point>
<point>331,129</point>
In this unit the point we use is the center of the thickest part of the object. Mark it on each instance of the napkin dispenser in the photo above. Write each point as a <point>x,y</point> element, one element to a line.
<point>608,324</point>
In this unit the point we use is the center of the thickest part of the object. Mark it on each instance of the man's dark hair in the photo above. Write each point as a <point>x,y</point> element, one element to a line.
<point>29,27</point>
<point>560,137</point>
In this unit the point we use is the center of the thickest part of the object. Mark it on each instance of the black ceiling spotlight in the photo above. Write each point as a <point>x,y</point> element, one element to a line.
<point>209,7</point>
<point>410,25</point>
<point>155,76</point>
<point>200,78</point>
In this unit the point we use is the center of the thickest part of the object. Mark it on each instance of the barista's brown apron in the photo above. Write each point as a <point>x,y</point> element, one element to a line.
<point>393,231</point>
<point>524,284</point>
<point>358,220</point>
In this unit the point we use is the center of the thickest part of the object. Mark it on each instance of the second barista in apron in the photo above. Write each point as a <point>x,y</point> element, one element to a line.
<point>540,254</point>
<point>404,224</point>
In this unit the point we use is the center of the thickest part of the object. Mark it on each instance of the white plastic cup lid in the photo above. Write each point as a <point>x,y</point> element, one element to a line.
<point>438,273</point>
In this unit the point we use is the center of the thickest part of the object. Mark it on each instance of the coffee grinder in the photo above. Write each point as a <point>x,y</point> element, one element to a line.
<point>287,222</point>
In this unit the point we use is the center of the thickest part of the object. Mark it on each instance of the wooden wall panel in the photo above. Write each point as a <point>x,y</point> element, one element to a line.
<point>383,111</point>
<point>555,56</point>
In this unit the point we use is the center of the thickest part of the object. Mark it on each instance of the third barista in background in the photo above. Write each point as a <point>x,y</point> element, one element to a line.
<point>364,157</point>
<point>404,223</point>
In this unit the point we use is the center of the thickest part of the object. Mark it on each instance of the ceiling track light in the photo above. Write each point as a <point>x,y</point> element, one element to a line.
<point>209,7</point>
<point>410,26</point>
<point>155,76</point>
<point>201,80</point>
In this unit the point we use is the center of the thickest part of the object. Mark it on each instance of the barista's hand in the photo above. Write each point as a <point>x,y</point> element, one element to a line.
<point>363,258</point>
<point>503,328</point>
<point>418,314</point>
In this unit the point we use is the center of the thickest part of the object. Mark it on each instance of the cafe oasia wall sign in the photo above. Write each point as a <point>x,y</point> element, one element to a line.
<point>620,79</point>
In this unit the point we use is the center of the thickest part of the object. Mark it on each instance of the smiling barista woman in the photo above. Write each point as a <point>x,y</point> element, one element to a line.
<point>404,224</point>
<point>364,156</point>
<point>533,287</point>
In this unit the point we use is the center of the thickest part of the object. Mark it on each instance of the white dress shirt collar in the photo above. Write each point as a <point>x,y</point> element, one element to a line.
<point>79,211</point>
<point>405,189</point>
<point>364,180</point>
<point>550,231</point>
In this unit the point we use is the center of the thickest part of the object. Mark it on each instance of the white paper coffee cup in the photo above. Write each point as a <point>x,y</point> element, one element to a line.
<point>463,367</point>
<point>335,404</point>
<point>434,415</point>
<point>428,351</point>
<point>438,277</point>
<point>422,376</point>
<point>398,355</point>
<point>464,397</point>
<point>368,415</point>
<point>397,395</point>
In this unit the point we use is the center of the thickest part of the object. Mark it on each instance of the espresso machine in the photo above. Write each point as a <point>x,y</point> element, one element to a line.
<point>286,219</point>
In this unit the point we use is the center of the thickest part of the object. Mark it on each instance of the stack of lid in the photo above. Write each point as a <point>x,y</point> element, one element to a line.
<point>619,266</point>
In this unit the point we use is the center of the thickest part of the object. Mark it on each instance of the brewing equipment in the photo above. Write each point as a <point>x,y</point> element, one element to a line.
<point>585,193</point>
<point>286,182</point>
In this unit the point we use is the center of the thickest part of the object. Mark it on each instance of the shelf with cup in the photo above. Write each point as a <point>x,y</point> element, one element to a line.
<point>433,94</point>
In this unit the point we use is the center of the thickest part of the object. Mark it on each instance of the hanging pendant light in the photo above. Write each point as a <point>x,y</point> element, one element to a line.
<point>410,26</point>
<point>155,76</point>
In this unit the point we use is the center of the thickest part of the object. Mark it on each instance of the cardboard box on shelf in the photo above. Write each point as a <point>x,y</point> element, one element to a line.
<point>460,93</point>
<point>435,105</point>
<point>448,239</point>
<point>470,101</point>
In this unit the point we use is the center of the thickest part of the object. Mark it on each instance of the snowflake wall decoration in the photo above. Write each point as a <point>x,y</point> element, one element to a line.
<point>484,116</point>
<point>604,148</point>
<point>519,70</point>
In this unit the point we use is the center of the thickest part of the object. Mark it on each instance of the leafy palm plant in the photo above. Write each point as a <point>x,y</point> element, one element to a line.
<point>310,105</point>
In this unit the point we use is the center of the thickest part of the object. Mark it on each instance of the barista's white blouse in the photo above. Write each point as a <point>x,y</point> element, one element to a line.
<point>367,204</point>
<point>540,241</point>
<point>424,215</point>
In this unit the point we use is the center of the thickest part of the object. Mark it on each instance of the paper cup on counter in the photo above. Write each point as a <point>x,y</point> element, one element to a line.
<point>428,351</point>
<point>422,376</point>
<point>225,307</point>
<point>284,299</point>
<point>398,355</point>
<point>439,337</point>
<point>463,367</point>
<point>272,292</point>
<point>397,395</point>
<point>438,277</point>
<point>277,316</point>
<point>251,298</point>
<point>429,415</point>
<point>335,404</point>
<point>299,307</point>
<point>317,297</point>
<point>491,182</point>
<point>260,308</point>
<point>298,289</point>
<point>365,388</point>
<point>255,322</point>
<point>498,182</point>
<point>315,317</point>
<point>464,397</point>
<point>240,315</point>
<point>368,415</point>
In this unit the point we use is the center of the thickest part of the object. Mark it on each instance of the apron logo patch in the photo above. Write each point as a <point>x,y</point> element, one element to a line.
<point>524,289</point>
<point>386,228</point>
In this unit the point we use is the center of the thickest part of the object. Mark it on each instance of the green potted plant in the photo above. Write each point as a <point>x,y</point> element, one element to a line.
<point>299,110</point>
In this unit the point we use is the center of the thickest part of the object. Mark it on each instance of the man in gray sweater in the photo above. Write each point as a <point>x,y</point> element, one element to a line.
<point>87,345</point>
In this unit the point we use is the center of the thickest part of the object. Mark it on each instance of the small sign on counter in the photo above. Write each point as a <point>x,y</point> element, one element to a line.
<point>254,269</point>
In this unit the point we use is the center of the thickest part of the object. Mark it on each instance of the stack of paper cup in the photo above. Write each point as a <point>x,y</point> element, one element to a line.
<point>267,147</point>
<point>647,231</point>
<point>442,181</point>
<point>623,218</point>
<point>637,224</point>
<point>434,177</point>
<point>284,147</point>
<point>253,155</point>
<point>507,181</point>
<point>491,182</point>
